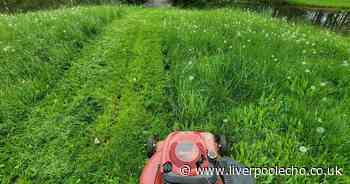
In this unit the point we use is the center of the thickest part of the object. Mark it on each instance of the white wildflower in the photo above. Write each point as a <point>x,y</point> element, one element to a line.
<point>191,78</point>
<point>6,49</point>
<point>303,149</point>
<point>313,87</point>
<point>225,120</point>
<point>307,71</point>
<point>345,63</point>
<point>97,141</point>
<point>323,84</point>
<point>320,130</point>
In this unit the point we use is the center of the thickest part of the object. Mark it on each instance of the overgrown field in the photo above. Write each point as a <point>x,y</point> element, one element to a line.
<point>82,89</point>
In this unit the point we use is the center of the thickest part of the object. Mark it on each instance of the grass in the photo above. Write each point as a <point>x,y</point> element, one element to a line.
<point>343,4</point>
<point>36,50</point>
<point>269,85</point>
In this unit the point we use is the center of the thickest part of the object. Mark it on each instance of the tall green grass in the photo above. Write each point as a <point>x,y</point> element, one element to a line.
<point>36,50</point>
<point>113,94</point>
<point>273,87</point>
<point>344,4</point>
<point>335,4</point>
<point>279,91</point>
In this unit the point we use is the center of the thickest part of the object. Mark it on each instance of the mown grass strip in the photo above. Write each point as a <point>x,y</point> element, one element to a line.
<point>113,95</point>
<point>36,50</point>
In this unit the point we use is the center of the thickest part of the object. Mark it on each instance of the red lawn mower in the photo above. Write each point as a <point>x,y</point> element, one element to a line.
<point>187,157</point>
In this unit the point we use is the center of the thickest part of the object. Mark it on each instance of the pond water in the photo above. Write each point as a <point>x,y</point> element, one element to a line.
<point>333,19</point>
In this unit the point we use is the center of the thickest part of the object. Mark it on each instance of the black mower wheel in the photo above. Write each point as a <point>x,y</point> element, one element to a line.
<point>222,143</point>
<point>151,146</point>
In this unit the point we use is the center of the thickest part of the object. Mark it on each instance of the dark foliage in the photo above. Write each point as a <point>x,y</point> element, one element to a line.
<point>28,5</point>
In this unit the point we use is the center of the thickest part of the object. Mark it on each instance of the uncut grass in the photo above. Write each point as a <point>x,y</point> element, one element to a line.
<point>114,93</point>
<point>36,49</point>
<point>266,84</point>
<point>345,4</point>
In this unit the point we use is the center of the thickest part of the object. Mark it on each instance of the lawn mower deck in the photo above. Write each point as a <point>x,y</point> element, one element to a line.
<point>178,158</point>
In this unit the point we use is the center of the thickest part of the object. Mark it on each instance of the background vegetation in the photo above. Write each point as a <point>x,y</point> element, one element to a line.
<point>82,89</point>
<point>28,5</point>
<point>344,4</point>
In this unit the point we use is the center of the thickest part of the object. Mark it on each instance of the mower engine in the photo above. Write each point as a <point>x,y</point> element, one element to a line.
<point>185,158</point>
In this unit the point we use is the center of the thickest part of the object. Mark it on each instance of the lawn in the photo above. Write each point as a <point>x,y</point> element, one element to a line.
<point>79,99</point>
<point>342,4</point>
